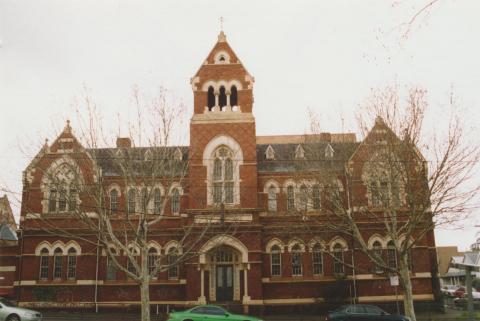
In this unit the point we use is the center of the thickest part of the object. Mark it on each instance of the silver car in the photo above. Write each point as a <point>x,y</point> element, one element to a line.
<point>9,312</point>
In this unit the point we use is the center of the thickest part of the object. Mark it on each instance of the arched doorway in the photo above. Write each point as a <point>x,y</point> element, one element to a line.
<point>222,261</point>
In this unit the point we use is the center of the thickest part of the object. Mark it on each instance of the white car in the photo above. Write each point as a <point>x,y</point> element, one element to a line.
<point>9,312</point>
<point>450,289</point>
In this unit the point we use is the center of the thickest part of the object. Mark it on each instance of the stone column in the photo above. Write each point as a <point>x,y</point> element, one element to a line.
<point>202,299</point>
<point>216,107</point>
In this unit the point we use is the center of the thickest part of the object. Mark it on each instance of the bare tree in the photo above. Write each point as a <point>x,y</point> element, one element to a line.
<point>401,181</point>
<point>88,182</point>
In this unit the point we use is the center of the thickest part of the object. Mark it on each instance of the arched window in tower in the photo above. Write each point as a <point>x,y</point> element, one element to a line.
<point>175,201</point>
<point>113,201</point>
<point>222,99</point>
<point>233,96</point>
<point>223,176</point>
<point>210,98</point>
<point>276,261</point>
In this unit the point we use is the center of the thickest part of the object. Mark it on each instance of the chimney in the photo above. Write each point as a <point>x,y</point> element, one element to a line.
<point>124,142</point>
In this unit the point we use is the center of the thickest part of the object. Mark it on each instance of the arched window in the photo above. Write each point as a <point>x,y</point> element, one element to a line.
<point>210,98</point>
<point>52,201</point>
<point>222,99</point>
<point>233,96</point>
<point>152,260</point>
<point>317,260</point>
<point>57,263</point>
<point>62,199</point>
<point>290,198</point>
<point>338,266</point>
<point>377,250</point>
<point>296,260</point>
<point>391,255</point>
<point>111,268</point>
<point>175,201</point>
<point>173,264</point>
<point>131,200</point>
<point>72,264</point>
<point>72,198</point>
<point>131,265</point>
<point>272,199</point>
<point>157,201</point>
<point>223,177</point>
<point>144,200</point>
<point>276,261</point>
<point>316,197</point>
<point>113,201</point>
<point>304,198</point>
<point>44,264</point>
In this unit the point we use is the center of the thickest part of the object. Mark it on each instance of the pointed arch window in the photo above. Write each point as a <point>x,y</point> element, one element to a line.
<point>152,260</point>
<point>62,199</point>
<point>57,263</point>
<point>113,201</point>
<point>223,176</point>
<point>175,201</point>
<point>157,201</point>
<point>377,250</point>
<point>72,198</point>
<point>296,260</point>
<point>71,264</point>
<point>44,264</point>
<point>316,197</point>
<point>222,99</point>
<point>272,199</point>
<point>131,200</point>
<point>52,201</point>
<point>276,260</point>
<point>304,197</point>
<point>233,96</point>
<point>111,267</point>
<point>172,259</point>
<point>391,255</point>
<point>290,198</point>
<point>144,199</point>
<point>210,98</point>
<point>338,263</point>
<point>317,260</point>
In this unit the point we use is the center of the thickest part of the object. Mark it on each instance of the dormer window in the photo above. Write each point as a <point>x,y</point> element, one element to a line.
<point>299,152</point>
<point>270,153</point>
<point>178,154</point>
<point>329,151</point>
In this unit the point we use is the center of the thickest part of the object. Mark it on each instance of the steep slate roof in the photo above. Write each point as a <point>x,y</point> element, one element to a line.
<point>106,157</point>
<point>315,159</point>
<point>7,233</point>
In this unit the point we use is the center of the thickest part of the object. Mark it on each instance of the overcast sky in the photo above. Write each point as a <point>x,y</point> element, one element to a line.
<point>322,55</point>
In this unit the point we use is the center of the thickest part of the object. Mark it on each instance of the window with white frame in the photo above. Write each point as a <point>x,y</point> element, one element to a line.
<point>303,198</point>
<point>72,264</point>
<point>338,263</point>
<point>44,264</point>
<point>377,251</point>
<point>272,199</point>
<point>131,200</point>
<point>111,267</point>
<point>157,201</point>
<point>276,260</point>
<point>175,201</point>
<point>290,198</point>
<point>317,260</point>
<point>316,201</point>
<point>60,186</point>
<point>296,260</point>
<point>57,263</point>
<point>391,255</point>
<point>172,259</point>
<point>114,201</point>
<point>223,176</point>
<point>152,260</point>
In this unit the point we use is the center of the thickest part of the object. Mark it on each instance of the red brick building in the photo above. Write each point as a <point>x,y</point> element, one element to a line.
<point>272,258</point>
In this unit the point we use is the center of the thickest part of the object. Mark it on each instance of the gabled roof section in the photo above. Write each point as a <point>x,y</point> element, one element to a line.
<point>7,233</point>
<point>221,46</point>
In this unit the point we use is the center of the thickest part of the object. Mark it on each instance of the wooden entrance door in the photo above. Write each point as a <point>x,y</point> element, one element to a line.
<point>224,282</point>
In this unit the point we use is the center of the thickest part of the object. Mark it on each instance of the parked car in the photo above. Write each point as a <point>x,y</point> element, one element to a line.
<point>462,302</point>
<point>208,313</point>
<point>449,290</point>
<point>9,312</point>
<point>362,312</point>
<point>459,292</point>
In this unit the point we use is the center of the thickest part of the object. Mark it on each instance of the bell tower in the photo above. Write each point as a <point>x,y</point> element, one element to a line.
<point>222,118</point>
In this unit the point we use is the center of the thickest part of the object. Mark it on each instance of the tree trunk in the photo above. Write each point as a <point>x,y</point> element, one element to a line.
<point>145,300</point>
<point>404,275</point>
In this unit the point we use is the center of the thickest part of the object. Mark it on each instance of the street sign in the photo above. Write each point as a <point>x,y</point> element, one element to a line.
<point>394,280</point>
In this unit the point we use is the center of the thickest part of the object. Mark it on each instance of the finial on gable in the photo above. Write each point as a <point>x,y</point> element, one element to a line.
<point>379,120</point>
<point>222,37</point>
<point>67,128</point>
